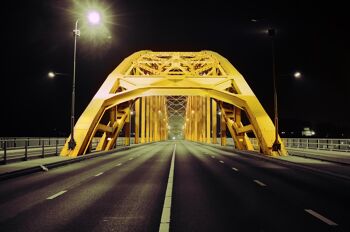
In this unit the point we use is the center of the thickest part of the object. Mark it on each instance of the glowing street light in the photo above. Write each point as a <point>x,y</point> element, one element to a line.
<point>297,75</point>
<point>94,18</point>
<point>52,74</point>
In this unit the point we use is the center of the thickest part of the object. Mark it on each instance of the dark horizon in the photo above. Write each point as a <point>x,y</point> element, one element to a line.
<point>312,39</point>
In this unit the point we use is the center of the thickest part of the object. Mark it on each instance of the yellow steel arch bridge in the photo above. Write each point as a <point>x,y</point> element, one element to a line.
<point>174,94</point>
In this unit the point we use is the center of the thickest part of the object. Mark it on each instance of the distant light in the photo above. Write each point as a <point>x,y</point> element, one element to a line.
<point>174,138</point>
<point>283,132</point>
<point>132,112</point>
<point>94,17</point>
<point>187,119</point>
<point>159,111</point>
<point>219,112</point>
<point>109,139</point>
<point>192,112</point>
<point>297,75</point>
<point>51,75</point>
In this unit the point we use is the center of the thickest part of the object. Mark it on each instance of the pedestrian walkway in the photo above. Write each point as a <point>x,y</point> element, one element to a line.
<point>332,156</point>
<point>30,164</point>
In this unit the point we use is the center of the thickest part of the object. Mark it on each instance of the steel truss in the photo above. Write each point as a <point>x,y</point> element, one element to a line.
<point>157,85</point>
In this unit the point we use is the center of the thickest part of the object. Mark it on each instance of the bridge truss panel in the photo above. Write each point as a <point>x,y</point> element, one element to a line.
<point>165,87</point>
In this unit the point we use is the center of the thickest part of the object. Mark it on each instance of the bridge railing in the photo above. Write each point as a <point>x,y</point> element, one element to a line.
<point>342,145</point>
<point>24,148</point>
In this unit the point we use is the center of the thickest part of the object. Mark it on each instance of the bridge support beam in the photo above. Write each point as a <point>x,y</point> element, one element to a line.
<point>208,119</point>
<point>143,119</point>
<point>158,74</point>
<point>214,120</point>
<point>137,120</point>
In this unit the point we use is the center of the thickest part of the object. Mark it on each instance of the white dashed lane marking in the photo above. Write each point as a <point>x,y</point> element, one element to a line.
<point>56,195</point>
<point>234,169</point>
<point>260,183</point>
<point>221,161</point>
<point>99,174</point>
<point>320,217</point>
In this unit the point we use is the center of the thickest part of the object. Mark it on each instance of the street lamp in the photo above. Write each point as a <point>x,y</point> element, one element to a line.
<point>276,144</point>
<point>297,75</point>
<point>52,74</point>
<point>94,19</point>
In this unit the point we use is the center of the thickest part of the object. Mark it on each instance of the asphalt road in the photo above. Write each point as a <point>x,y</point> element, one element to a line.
<point>212,190</point>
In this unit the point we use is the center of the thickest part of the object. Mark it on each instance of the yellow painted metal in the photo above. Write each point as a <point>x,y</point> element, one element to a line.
<point>151,74</point>
<point>208,119</point>
<point>137,120</point>
<point>148,118</point>
<point>223,130</point>
<point>214,120</point>
<point>127,129</point>
<point>143,119</point>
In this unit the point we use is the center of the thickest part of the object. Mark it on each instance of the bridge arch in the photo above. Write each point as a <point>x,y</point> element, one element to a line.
<point>145,79</point>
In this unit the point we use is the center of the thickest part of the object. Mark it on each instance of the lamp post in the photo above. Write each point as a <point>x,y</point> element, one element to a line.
<point>276,144</point>
<point>93,18</point>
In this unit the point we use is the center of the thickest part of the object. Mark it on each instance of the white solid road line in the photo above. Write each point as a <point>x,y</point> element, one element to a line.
<point>165,219</point>
<point>221,161</point>
<point>320,217</point>
<point>234,169</point>
<point>118,164</point>
<point>99,174</point>
<point>56,195</point>
<point>260,183</point>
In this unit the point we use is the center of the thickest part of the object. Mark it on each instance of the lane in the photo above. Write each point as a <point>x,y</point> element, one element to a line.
<point>120,195</point>
<point>308,190</point>
<point>68,175</point>
<point>211,196</point>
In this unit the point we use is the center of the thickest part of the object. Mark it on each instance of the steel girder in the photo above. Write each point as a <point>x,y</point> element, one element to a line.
<point>150,77</point>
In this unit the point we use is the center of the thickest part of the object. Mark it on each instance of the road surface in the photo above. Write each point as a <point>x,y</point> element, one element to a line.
<point>209,190</point>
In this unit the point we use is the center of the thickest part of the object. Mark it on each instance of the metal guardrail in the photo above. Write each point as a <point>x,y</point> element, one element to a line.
<point>23,148</point>
<point>341,145</point>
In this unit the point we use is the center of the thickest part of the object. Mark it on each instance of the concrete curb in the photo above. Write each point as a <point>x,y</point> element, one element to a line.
<point>315,157</point>
<point>38,168</point>
<point>282,162</point>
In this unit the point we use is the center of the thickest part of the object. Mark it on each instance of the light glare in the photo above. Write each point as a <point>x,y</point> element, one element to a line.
<point>51,74</point>
<point>297,75</point>
<point>94,17</point>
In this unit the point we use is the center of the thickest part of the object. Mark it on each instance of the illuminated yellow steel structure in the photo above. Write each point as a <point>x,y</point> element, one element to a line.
<point>145,79</point>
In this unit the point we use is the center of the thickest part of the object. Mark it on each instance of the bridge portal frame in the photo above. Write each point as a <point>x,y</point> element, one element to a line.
<point>149,77</point>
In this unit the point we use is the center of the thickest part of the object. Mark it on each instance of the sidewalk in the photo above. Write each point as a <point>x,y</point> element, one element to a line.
<point>332,156</point>
<point>30,164</point>
<point>35,165</point>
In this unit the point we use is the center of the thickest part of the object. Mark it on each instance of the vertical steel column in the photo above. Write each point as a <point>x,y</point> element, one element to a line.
<point>151,119</point>
<point>208,120</point>
<point>222,129</point>
<point>127,126</point>
<point>137,120</point>
<point>156,119</point>
<point>214,120</point>
<point>195,108</point>
<point>199,117</point>
<point>143,121</point>
<point>204,119</point>
<point>148,116</point>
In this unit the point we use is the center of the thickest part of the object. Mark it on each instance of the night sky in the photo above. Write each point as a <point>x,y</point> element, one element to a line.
<point>311,38</point>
